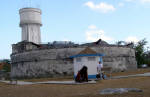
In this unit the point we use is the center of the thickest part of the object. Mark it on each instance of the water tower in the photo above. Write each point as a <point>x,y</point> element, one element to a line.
<point>30,23</point>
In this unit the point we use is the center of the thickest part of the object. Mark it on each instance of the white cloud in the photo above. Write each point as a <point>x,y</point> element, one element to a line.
<point>130,0</point>
<point>121,4</point>
<point>92,27</point>
<point>101,7</point>
<point>145,1</point>
<point>132,39</point>
<point>140,1</point>
<point>65,39</point>
<point>95,34</point>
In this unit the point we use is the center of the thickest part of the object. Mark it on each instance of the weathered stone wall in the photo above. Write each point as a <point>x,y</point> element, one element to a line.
<point>53,62</point>
<point>43,68</point>
<point>119,58</point>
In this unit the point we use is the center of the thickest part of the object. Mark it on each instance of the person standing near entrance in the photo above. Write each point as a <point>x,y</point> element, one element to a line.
<point>99,69</point>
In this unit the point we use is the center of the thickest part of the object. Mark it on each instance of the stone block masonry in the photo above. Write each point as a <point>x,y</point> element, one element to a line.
<point>56,62</point>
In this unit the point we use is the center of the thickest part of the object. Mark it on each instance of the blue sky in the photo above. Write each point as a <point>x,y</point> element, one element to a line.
<point>78,21</point>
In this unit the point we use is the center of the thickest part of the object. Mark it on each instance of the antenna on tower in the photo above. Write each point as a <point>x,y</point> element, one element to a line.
<point>27,3</point>
<point>30,3</point>
<point>38,3</point>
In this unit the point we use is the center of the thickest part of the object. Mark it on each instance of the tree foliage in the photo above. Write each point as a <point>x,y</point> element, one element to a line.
<point>140,52</point>
<point>6,65</point>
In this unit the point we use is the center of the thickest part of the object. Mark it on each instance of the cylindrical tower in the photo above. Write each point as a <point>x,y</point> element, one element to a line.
<point>30,22</point>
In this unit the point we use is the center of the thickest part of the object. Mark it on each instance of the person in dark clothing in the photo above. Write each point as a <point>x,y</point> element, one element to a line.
<point>78,77</point>
<point>82,75</point>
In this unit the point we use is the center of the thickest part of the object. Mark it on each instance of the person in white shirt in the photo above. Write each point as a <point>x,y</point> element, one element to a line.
<point>99,67</point>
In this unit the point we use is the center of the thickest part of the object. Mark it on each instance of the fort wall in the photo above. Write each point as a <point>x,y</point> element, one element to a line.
<point>56,62</point>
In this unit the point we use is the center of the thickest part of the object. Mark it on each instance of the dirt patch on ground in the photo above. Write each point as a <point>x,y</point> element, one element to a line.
<point>67,78</point>
<point>132,72</point>
<point>86,90</point>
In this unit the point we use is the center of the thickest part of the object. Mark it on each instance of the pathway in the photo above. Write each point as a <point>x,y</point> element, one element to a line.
<point>71,82</point>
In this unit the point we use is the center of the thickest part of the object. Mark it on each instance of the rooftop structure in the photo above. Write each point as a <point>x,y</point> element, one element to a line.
<point>89,58</point>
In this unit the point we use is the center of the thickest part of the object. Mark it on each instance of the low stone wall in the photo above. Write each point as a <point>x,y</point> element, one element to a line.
<point>56,62</point>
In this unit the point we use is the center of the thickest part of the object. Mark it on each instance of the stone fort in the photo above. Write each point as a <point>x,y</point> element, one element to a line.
<point>30,58</point>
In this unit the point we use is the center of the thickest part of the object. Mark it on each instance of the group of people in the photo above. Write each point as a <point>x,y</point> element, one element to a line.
<point>82,75</point>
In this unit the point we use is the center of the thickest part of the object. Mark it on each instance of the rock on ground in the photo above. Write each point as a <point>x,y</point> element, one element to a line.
<point>119,90</point>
